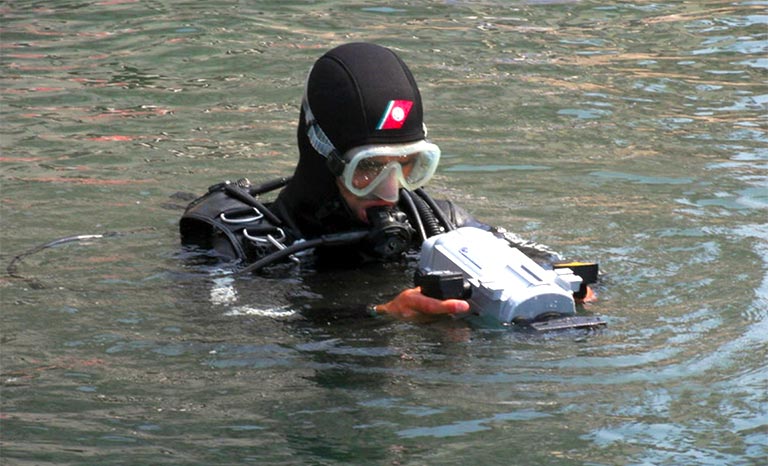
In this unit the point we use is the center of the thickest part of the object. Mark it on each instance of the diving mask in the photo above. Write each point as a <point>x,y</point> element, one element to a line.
<point>379,170</point>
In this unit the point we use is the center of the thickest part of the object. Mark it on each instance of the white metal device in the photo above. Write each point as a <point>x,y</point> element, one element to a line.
<point>506,285</point>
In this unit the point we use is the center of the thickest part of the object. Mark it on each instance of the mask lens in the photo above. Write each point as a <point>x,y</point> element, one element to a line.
<point>368,170</point>
<point>369,166</point>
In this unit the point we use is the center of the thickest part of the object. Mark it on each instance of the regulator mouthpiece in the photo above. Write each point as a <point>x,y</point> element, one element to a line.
<point>390,233</point>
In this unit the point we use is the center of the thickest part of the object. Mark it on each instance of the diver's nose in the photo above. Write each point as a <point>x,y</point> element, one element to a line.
<point>389,187</point>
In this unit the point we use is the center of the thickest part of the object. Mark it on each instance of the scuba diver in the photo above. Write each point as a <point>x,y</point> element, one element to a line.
<point>356,194</point>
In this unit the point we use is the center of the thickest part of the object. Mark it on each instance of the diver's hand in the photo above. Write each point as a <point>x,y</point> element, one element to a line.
<point>410,304</point>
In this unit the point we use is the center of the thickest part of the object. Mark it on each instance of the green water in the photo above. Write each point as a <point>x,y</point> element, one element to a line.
<point>632,133</point>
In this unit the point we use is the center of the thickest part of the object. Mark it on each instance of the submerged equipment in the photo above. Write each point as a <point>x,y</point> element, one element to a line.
<point>501,283</point>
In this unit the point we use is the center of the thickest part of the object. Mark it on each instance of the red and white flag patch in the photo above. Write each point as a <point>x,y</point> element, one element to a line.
<point>395,114</point>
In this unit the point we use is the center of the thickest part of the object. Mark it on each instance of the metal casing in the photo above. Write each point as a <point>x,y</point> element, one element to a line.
<point>507,286</point>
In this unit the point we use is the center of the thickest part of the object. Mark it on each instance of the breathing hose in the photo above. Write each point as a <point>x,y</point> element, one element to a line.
<point>302,245</point>
<point>431,223</point>
<point>438,212</point>
<point>413,213</point>
<point>12,269</point>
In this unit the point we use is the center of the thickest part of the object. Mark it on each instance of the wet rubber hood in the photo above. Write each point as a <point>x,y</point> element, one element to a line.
<point>355,94</point>
<point>355,91</point>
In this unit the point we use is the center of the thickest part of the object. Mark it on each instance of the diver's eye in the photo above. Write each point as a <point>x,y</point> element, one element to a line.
<point>371,165</point>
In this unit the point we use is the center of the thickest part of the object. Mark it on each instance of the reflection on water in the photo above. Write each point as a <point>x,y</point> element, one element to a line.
<point>629,133</point>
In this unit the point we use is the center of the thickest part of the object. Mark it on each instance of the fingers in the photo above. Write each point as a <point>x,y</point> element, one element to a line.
<point>417,302</point>
<point>410,303</point>
<point>589,297</point>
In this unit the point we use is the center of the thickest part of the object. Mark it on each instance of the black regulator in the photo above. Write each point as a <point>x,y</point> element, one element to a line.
<point>390,234</point>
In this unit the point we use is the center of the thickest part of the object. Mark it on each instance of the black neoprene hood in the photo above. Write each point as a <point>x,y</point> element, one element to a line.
<point>350,92</point>
<point>351,89</point>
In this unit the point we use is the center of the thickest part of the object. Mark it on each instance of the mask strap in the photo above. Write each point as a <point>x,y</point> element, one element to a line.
<point>320,142</point>
<point>317,137</point>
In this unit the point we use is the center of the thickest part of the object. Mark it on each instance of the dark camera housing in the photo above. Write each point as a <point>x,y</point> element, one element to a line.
<point>443,284</point>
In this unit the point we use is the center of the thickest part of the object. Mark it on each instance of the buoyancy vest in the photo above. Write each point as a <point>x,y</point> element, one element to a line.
<point>231,220</point>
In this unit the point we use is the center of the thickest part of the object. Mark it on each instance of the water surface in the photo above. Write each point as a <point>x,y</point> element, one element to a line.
<point>629,133</point>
